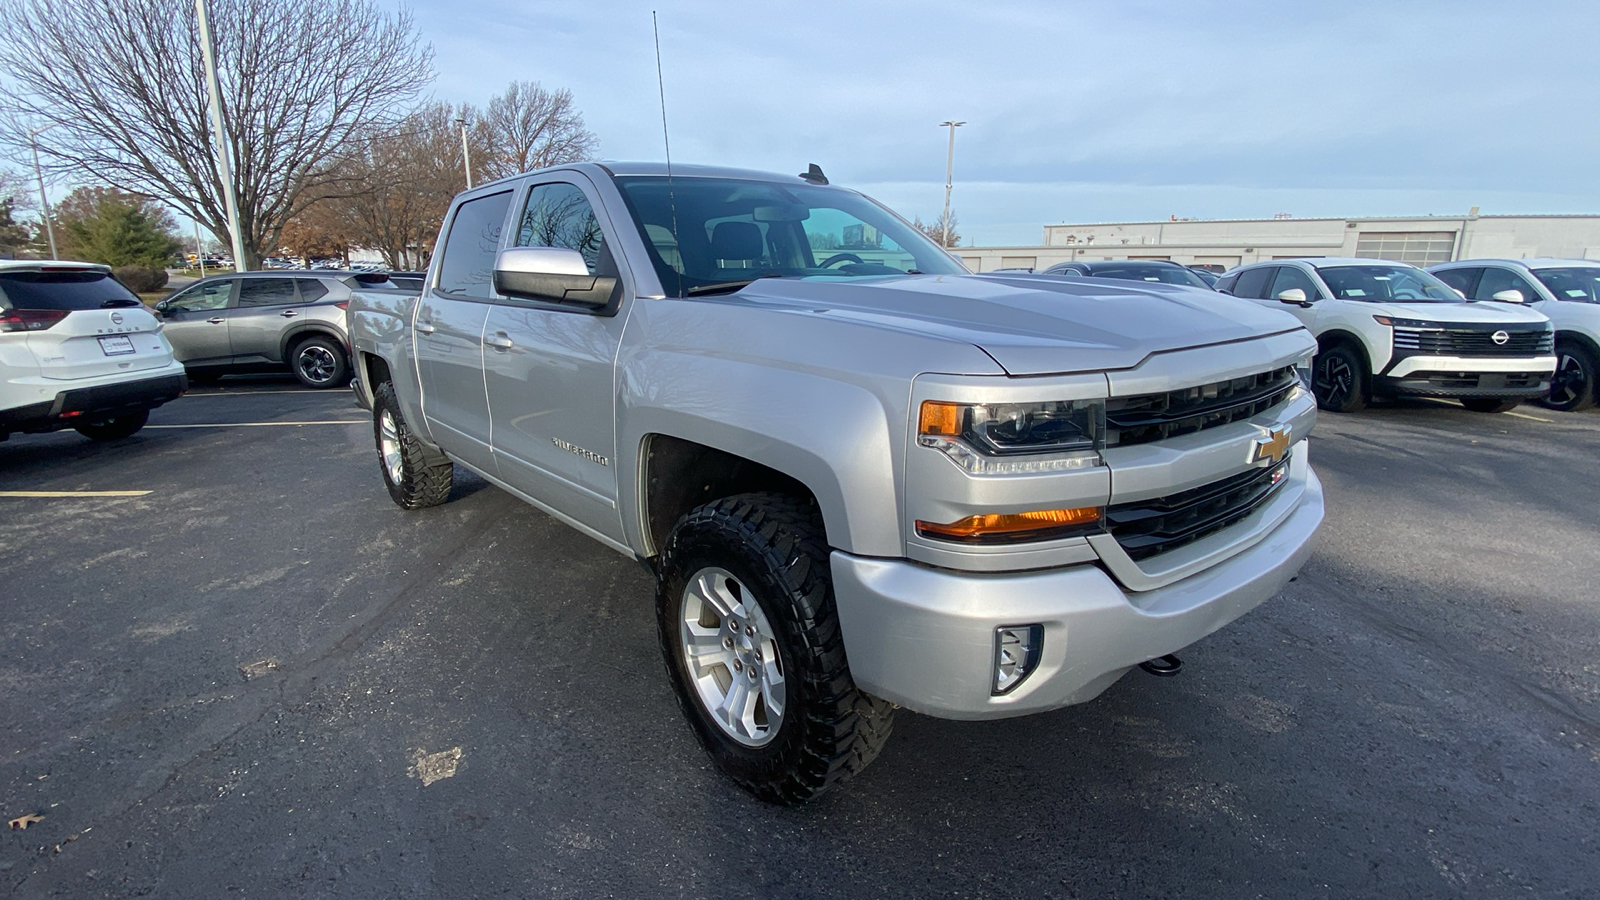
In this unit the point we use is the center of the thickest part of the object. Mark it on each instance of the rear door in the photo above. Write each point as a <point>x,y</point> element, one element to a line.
<point>196,322</point>
<point>449,330</point>
<point>266,306</point>
<point>80,323</point>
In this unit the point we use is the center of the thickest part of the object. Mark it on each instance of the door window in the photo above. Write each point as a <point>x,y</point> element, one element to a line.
<point>1463,280</point>
<point>1253,283</point>
<point>1496,280</point>
<point>202,297</point>
<point>467,267</point>
<point>559,215</point>
<point>1291,277</point>
<point>266,292</point>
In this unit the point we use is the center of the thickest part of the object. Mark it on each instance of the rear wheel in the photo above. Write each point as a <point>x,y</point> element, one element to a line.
<point>1572,388</point>
<point>115,428</point>
<point>747,625</point>
<point>319,362</point>
<point>1489,405</point>
<point>415,475</point>
<point>1340,380</point>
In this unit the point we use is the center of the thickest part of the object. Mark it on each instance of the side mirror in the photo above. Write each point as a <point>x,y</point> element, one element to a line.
<point>1294,297</point>
<point>1511,296</point>
<point>1460,293</point>
<point>551,274</point>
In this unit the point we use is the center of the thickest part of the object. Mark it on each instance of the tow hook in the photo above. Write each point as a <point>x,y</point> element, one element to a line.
<point>1163,666</point>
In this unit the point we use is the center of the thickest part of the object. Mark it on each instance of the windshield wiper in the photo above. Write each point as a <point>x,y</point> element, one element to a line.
<point>726,287</point>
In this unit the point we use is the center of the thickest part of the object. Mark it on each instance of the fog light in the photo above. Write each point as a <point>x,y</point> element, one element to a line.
<point>1016,653</point>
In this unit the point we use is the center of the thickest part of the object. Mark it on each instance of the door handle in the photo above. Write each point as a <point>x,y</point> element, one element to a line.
<point>500,341</point>
<point>288,314</point>
<point>217,321</point>
<point>424,327</point>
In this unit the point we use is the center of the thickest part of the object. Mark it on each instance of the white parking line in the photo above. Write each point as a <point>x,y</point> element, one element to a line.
<point>51,494</point>
<point>1526,416</point>
<point>266,424</point>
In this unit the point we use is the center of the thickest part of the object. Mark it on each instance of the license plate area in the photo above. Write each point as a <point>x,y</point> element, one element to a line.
<point>116,346</point>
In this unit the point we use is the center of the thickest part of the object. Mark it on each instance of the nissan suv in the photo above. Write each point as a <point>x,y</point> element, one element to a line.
<point>1390,329</point>
<point>1565,290</point>
<point>263,321</point>
<point>78,350</point>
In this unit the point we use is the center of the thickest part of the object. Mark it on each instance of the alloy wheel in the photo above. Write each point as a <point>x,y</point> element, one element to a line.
<point>317,363</point>
<point>1334,381</point>
<point>389,446</point>
<point>731,656</point>
<point>1568,381</point>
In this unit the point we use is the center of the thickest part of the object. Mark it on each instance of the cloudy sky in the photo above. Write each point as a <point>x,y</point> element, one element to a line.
<point>1079,111</point>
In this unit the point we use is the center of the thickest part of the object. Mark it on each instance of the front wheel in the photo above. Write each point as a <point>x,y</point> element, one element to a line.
<point>115,428</point>
<point>1572,388</point>
<point>319,362</point>
<point>415,475</point>
<point>1489,405</point>
<point>751,640</point>
<point>1339,379</point>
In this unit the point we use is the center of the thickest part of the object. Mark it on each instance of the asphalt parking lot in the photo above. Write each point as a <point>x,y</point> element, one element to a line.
<point>261,678</point>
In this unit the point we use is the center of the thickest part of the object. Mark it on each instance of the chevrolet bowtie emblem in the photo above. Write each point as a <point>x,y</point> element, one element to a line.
<point>1271,447</point>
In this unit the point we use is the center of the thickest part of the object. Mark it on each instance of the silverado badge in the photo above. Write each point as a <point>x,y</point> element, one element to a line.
<point>1271,447</point>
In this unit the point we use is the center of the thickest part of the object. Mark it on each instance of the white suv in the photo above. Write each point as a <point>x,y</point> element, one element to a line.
<point>1565,290</point>
<point>78,350</point>
<point>1388,329</point>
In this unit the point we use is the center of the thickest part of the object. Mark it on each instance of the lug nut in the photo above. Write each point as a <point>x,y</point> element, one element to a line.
<point>727,642</point>
<point>738,665</point>
<point>752,673</point>
<point>758,656</point>
<point>750,631</point>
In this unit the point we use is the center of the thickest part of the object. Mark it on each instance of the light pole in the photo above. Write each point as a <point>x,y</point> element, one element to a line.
<point>44,202</point>
<point>949,169</point>
<point>208,56</point>
<point>466,155</point>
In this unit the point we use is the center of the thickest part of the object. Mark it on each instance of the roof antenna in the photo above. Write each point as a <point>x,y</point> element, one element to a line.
<point>672,199</point>
<point>814,175</point>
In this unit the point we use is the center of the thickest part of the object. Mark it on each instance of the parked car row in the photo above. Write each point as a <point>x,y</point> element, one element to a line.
<point>1490,333</point>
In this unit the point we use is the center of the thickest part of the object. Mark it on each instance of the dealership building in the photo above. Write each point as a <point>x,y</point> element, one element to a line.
<point>1225,243</point>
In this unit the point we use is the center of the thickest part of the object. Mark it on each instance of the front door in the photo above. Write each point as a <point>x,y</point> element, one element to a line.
<point>449,331</point>
<point>195,320</point>
<point>550,369</point>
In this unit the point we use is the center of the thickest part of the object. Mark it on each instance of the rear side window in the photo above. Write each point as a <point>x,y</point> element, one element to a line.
<point>63,290</point>
<point>467,268</point>
<point>1495,280</point>
<point>266,292</point>
<point>1252,283</point>
<point>311,290</point>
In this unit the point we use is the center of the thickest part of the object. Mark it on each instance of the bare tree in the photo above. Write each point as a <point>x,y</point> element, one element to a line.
<point>528,127</point>
<point>940,232</point>
<point>395,184</point>
<point>121,85</point>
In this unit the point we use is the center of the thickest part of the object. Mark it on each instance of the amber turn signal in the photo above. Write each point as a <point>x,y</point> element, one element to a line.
<point>939,418</point>
<point>1006,527</point>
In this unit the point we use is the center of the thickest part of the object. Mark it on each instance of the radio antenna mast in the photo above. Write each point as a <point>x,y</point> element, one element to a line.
<point>672,200</point>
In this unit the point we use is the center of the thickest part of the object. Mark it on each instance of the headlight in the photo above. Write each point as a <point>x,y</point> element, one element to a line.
<point>1393,322</point>
<point>1015,438</point>
<point>1302,368</point>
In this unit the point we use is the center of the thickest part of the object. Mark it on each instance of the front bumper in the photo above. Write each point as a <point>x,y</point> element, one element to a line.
<point>924,637</point>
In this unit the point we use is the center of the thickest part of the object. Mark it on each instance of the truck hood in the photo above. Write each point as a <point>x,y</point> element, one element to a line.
<point>1033,324</point>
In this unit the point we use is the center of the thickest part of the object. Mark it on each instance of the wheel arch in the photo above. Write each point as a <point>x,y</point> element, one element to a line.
<point>1583,340</point>
<point>305,330</point>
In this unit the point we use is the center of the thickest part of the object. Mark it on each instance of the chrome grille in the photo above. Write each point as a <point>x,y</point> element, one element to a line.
<point>1155,417</point>
<point>1474,341</point>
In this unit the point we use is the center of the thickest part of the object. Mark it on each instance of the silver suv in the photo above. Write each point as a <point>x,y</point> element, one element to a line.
<point>263,321</point>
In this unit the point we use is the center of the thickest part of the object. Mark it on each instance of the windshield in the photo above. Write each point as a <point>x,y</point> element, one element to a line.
<point>1164,274</point>
<point>710,235</point>
<point>1578,283</point>
<point>1380,283</point>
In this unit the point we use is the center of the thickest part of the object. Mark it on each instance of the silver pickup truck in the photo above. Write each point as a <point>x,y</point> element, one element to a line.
<point>864,477</point>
